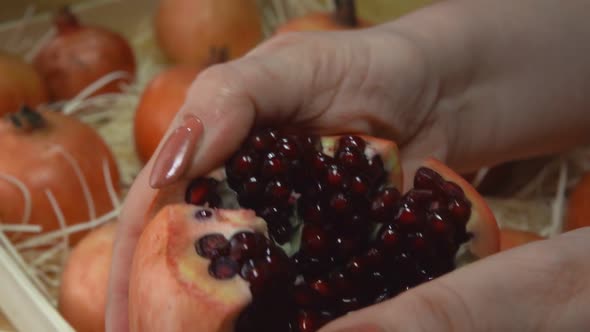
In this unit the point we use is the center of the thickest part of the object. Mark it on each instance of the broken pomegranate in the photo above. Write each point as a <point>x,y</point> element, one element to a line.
<point>296,231</point>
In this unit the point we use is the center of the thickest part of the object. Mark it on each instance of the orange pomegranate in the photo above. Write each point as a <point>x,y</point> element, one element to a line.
<point>20,84</point>
<point>53,169</point>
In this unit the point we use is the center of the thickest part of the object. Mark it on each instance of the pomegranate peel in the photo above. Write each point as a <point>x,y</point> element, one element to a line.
<point>351,239</point>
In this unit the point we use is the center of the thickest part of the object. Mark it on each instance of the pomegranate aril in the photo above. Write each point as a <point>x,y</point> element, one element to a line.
<point>351,141</point>
<point>440,225</point>
<point>278,191</point>
<point>426,178</point>
<point>309,144</point>
<point>309,321</point>
<point>202,191</point>
<point>315,240</point>
<point>252,187</point>
<point>305,297</point>
<point>347,304</point>
<point>321,287</point>
<point>407,218</point>
<point>417,244</point>
<point>320,162</point>
<point>375,169</point>
<point>342,284</point>
<point>247,245</point>
<point>346,245</point>
<point>279,264</point>
<point>351,158</point>
<point>289,148</point>
<point>257,273</point>
<point>244,164</point>
<point>263,140</point>
<point>335,177</point>
<point>357,267</point>
<point>388,239</point>
<point>311,211</point>
<point>340,203</point>
<point>460,210</point>
<point>274,215</point>
<point>223,268</point>
<point>312,267</point>
<point>384,204</point>
<point>452,190</point>
<point>420,198</point>
<point>359,185</point>
<point>274,165</point>
<point>212,246</point>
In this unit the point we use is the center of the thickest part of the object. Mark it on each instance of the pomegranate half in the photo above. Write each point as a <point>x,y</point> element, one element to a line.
<point>296,231</point>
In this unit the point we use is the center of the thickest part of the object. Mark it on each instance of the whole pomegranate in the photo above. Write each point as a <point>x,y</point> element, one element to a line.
<point>578,212</point>
<point>296,231</point>
<point>187,29</point>
<point>80,55</point>
<point>344,17</point>
<point>45,164</point>
<point>20,84</point>
<point>162,99</point>
<point>84,281</point>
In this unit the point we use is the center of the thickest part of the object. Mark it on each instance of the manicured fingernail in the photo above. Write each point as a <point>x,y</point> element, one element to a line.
<point>176,153</point>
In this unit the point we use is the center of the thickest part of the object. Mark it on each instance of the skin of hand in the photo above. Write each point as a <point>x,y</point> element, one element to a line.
<point>471,82</point>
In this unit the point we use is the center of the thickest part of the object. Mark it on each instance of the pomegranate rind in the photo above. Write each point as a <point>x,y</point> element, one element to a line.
<point>578,213</point>
<point>170,288</point>
<point>511,238</point>
<point>482,224</point>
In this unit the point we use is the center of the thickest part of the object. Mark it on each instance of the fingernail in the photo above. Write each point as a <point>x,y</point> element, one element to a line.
<point>176,153</point>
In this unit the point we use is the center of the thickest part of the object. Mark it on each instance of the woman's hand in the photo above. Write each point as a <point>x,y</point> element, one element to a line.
<point>370,81</point>
<point>471,82</point>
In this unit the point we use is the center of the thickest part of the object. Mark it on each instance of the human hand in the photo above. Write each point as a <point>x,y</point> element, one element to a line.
<point>369,81</point>
<point>541,286</point>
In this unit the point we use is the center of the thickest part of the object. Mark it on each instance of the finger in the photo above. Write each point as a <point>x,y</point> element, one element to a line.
<point>541,286</point>
<point>131,222</point>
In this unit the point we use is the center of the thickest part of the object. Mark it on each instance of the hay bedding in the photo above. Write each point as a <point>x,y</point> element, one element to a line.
<point>538,205</point>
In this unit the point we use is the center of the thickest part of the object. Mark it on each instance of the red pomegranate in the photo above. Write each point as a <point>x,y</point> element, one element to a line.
<point>187,29</point>
<point>344,17</point>
<point>79,55</point>
<point>84,281</point>
<point>48,174</point>
<point>20,84</point>
<point>162,99</point>
<point>295,231</point>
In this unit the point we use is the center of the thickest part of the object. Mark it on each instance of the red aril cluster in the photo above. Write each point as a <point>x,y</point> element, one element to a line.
<point>359,240</point>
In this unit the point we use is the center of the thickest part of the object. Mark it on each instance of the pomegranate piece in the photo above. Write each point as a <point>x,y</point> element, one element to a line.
<point>316,228</point>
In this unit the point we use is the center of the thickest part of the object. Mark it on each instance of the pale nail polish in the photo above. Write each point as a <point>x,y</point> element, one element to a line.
<point>176,153</point>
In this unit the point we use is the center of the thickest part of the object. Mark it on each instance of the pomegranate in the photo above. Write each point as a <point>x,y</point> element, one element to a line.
<point>84,280</point>
<point>48,174</point>
<point>344,17</point>
<point>511,238</point>
<point>578,213</point>
<point>80,55</point>
<point>161,100</point>
<point>296,231</point>
<point>187,29</point>
<point>19,84</point>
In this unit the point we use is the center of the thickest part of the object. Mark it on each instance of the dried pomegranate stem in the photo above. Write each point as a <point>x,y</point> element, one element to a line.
<point>65,20</point>
<point>345,13</point>
<point>27,119</point>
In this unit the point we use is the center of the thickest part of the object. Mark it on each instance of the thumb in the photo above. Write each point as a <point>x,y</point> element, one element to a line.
<point>537,287</point>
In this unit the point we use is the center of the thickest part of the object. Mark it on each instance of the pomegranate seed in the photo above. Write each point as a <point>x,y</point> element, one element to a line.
<point>314,240</point>
<point>417,243</point>
<point>359,185</point>
<point>375,169</point>
<point>257,273</point>
<point>345,245</point>
<point>274,165</point>
<point>321,287</point>
<point>440,225</point>
<point>389,239</point>
<point>356,267</point>
<point>278,263</point>
<point>351,141</point>
<point>244,164</point>
<point>309,321</point>
<point>351,158</point>
<point>426,178</point>
<point>263,140</point>
<point>383,206</point>
<point>335,177</point>
<point>201,191</point>
<point>419,198</point>
<point>223,268</point>
<point>460,210</point>
<point>320,162</point>
<point>278,191</point>
<point>452,189</point>
<point>311,212</point>
<point>340,203</point>
<point>348,304</point>
<point>252,187</point>
<point>342,284</point>
<point>406,218</point>
<point>247,245</point>
<point>304,296</point>
<point>374,258</point>
<point>289,148</point>
<point>212,245</point>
